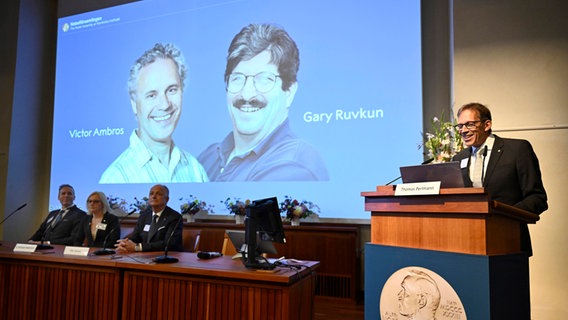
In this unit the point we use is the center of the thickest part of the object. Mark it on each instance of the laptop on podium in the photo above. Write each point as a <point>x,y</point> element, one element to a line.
<point>449,173</point>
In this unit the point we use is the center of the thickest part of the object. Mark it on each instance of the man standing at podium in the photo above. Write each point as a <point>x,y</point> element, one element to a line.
<point>508,169</point>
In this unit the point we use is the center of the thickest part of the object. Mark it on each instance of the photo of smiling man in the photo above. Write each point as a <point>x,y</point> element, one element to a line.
<point>155,87</point>
<point>260,77</point>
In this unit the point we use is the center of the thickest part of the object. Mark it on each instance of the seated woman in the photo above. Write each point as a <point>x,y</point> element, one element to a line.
<point>99,228</point>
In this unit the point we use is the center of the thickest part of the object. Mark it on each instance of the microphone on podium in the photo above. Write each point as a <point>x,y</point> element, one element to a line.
<point>165,258</point>
<point>104,250</point>
<point>425,162</point>
<point>484,154</point>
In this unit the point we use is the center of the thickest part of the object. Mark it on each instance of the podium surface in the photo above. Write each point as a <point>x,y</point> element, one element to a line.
<point>461,220</point>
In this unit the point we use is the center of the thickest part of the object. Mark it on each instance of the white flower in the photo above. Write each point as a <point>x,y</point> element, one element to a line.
<point>444,142</point>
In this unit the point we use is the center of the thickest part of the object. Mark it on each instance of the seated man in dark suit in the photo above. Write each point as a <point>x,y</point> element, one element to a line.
<point>57,228</point>
<point>508,169</point>
<point>155,226</point>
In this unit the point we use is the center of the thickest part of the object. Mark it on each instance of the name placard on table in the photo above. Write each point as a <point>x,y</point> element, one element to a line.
<point>76,251</point>
<point>25,247</point>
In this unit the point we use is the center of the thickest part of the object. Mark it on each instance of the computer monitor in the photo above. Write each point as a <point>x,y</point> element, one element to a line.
<point>263,217</point>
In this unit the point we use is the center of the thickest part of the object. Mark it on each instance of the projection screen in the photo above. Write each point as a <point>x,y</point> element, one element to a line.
<point>358,101</point>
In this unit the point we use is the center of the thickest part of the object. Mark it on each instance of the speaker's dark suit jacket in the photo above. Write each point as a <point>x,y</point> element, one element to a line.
<point>62,232</point>
<point>156,237</point>
<point>105,238</point>
<point>512,177</point>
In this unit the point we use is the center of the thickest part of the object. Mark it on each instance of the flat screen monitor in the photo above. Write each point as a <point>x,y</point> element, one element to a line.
<point>263,217</point>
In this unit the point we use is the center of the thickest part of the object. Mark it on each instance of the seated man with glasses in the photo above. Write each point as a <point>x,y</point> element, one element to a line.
<point>261,83</point>
<point>509,169</point>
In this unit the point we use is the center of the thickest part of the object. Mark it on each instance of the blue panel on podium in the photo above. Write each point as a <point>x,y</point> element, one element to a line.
<point>404,283</point>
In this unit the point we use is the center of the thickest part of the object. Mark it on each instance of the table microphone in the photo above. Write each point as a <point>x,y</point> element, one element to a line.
<point>19,208</point>
<point>165,258</point>
<point>105,250</point>
<point>12,213</point>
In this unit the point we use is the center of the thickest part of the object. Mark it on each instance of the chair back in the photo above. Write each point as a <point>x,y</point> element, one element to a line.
<point>190,239</point>
<point>228,247</point>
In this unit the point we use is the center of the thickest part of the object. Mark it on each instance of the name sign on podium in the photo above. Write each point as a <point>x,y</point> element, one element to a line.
<point>418,188</point>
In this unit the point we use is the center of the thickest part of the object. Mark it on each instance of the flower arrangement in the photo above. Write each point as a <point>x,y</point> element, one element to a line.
<point>117,203</point>
<point>298,209</point>
<point>140,205</point>
<point>192,205</point>
<point>236,206</point>
<point>444,142</point>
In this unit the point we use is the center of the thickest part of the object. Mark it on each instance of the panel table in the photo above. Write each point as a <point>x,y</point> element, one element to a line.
<point>51,285</point>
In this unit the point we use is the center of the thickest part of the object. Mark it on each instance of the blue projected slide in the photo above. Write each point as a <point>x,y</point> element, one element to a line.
<point>358,98</point>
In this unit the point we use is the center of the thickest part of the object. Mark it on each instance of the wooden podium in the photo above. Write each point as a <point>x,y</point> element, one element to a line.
<point>472,242</point>
<point>460,220</point>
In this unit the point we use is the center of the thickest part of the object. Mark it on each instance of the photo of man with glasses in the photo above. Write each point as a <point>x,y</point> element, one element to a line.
<point>261,83</point>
